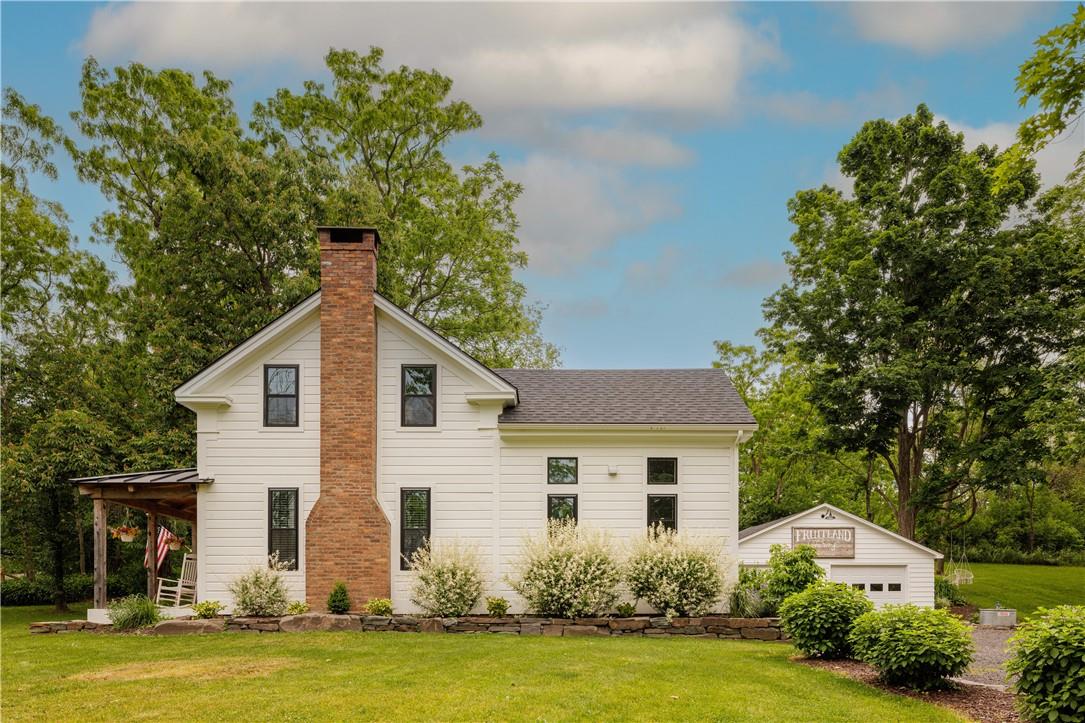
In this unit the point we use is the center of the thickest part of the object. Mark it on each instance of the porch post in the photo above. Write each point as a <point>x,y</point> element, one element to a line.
<point>100,520</point>
<point>152,555</point>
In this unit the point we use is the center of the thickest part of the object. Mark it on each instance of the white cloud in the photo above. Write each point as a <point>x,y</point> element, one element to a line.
<point>806,108</point>
<point>1053,163</point>
<point>655,273</point>
<point>756,273</point>
<point>667,57</point>
<point>933,27</point>
<point>571,211</point>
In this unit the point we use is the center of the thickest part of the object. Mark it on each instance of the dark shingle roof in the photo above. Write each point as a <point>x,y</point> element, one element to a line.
<point>743,534</point>
<point>624,396</point>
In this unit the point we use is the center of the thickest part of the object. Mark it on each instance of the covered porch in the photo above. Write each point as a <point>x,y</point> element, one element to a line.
<point>159,494</point>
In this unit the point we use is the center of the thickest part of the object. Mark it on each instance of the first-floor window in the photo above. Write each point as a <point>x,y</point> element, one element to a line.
<point>663,510</point>
<point>282,533</point>
<point>561,507</point>
<point>413,523</point>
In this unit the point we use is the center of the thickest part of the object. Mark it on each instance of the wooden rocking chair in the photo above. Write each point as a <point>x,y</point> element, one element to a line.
<point>181,591</point>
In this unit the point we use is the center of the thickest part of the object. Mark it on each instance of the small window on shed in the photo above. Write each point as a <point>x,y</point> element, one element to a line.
<point>894,587</point>
<point>662,471</point>
<point>875,587</point>
<point>561,470</point>
<point>858,586</point>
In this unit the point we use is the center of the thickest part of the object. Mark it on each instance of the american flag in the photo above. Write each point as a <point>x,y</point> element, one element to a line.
<point>164,539</point>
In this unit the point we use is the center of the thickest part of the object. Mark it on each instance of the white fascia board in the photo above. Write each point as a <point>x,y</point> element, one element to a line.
<point>444,345</point>
<point>507,398</point>
<point>193,387</point>
<point>847,515</point>
<point>613,431</point>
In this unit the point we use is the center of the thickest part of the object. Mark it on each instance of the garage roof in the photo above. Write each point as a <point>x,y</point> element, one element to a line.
<point>752,532</point>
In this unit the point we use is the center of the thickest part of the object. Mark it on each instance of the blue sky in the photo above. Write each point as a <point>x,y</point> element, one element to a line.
<point>658,144</point>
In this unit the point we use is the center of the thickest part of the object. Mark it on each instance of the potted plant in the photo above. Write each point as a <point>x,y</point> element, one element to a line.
<point>176,543</point>
<point>124,533</point>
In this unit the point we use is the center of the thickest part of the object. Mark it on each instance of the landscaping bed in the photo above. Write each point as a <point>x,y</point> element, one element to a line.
<point>983,703</point>
<point>710,626</point>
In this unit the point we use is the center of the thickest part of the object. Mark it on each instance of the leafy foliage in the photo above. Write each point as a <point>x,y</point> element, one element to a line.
<point>791,571</point>
<point>946,590</point>
<point>932,330</point>
<point>1055,77</point>
<point>78,586</point>
<point>498,607</point>
<point>339,599</point>
<point>1048,658</point>
<point>206,609</point>
<point>133,612</point>
<point>749,597</point>
<point>625,609</point>
<point>912,646</point>
<point>819,619</point>
<point>261,591</point>
<point>448,579</point>
<point>297,607</point>
<point>379,606</point>
<point>567,572</point>
<point>675,574</point>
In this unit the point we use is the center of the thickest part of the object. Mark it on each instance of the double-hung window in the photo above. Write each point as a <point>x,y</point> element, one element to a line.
<point>418,404</point>
<point>414,521</point>
<point>663,510</point>
<point>282,525</point>
<point>281,395</point>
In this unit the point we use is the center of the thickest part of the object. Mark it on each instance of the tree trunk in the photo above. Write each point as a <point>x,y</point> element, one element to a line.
<point>1030,495</point>
<point>908,460</point>
<point>56,538</point>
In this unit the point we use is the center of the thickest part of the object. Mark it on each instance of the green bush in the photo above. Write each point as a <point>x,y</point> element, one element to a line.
<point>567,572</point>
<point>297,607</point>
<point>207,609</point>
<point>261,591</point>
<point>749,597</point>
<point>339,599</point>
<point>676,575</point>
<point>626,609</point>
<point>134,611</point>
<point>379,606</point>
<point>447,579</point>
<point>497,606</point>
<point>77,587</point>
<point>1048,656</point>
<point>947,590</point>
<point>912,646</point>
<point>791,571</point>
<point>819,618</point>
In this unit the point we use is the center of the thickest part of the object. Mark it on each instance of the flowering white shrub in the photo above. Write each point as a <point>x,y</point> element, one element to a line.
<point>675,574</point>
<point>448,579</point>
<point>261,591</point>
<point>567,572</point>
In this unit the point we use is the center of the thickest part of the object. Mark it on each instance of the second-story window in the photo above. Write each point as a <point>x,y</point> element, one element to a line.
<point>419,396</point>
<point>662,471</point>
<point>281,395</point>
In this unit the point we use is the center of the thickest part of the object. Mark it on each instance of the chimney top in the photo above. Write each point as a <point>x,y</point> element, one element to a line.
<point>349,234</point>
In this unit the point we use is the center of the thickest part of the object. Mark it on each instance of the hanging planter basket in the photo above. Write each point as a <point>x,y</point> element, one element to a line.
<point>124,533</point>
<point>176,544</point>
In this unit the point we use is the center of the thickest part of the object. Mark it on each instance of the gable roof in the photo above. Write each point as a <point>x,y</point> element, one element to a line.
<point>752,532</point>
<point>625,396</point>
<point>192,387</point>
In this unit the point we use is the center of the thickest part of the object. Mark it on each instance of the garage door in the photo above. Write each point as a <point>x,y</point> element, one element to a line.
<point>882,583</point>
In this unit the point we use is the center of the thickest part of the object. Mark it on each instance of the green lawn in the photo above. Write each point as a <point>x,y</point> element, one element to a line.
<point>1025,587</point>
<point>393,676</point>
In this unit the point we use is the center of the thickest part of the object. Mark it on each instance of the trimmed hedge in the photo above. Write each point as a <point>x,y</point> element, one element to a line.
<point>911,646</point>
<point>1049,660</point>
<point>819,618</point>
<point>77,588</point>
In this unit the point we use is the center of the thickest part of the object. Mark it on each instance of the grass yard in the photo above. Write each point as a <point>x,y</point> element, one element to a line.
<point>391,676</point>
<point>1025,587</point>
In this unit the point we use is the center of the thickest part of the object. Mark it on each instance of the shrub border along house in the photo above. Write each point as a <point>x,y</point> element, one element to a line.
<point>709,626</point>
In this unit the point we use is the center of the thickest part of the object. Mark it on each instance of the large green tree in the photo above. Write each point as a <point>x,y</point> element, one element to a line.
<point>449,249</point>
<point>930,324</point>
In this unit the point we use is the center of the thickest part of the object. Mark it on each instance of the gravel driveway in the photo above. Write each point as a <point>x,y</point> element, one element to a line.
<point>991,655</point>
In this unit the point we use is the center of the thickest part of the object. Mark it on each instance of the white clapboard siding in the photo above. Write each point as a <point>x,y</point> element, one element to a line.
<point>874,546</point>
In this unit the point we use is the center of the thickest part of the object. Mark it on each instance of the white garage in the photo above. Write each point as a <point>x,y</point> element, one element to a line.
<point>886,566</point>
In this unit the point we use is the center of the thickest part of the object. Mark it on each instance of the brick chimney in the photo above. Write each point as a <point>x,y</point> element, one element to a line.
<point>347,535</point>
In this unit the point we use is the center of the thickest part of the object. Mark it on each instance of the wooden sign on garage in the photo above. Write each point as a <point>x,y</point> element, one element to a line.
<point>828,541</point>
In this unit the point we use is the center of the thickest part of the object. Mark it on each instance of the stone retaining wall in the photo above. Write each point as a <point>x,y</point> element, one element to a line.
<point>703,627</point>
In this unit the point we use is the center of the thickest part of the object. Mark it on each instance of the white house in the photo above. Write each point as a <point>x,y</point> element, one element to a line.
<point>888,567</point>
<point>346,433</point>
